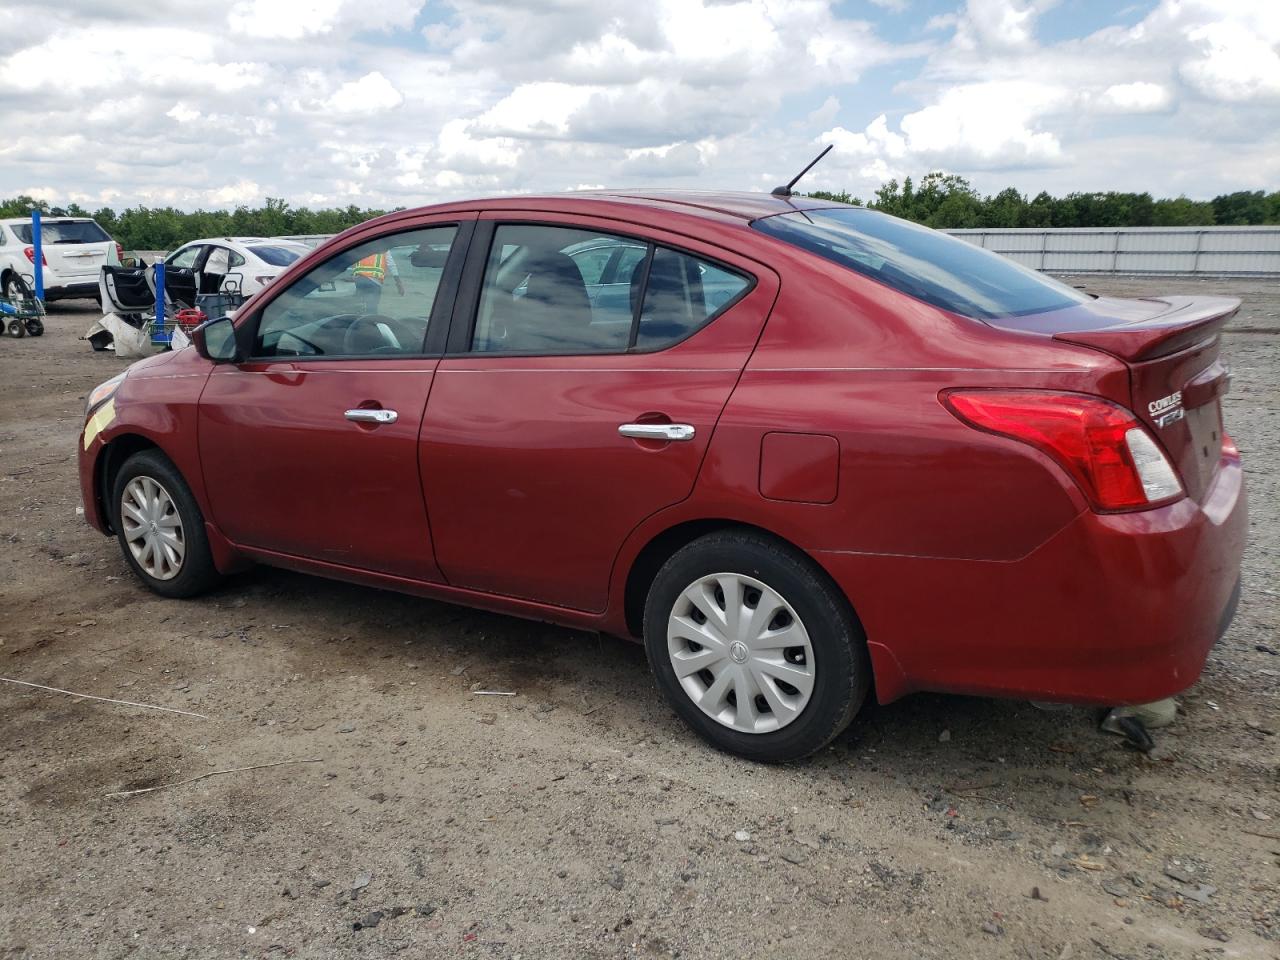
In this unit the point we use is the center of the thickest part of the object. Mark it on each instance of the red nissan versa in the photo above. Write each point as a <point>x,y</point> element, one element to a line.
<point>802,449</point>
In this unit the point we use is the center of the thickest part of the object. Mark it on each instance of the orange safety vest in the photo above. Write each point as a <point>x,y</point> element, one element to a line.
<point>372,267</point>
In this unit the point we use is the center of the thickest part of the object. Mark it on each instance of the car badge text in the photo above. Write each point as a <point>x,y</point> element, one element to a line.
<point>1166,410</point>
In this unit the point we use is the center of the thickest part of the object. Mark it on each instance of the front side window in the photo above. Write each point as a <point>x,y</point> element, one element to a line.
<point>185,259</point>
<point>557,290</point>
<point>922,263</point>
<point>371,300</point>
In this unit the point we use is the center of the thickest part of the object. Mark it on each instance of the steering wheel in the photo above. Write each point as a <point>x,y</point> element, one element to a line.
<point>363,335</point>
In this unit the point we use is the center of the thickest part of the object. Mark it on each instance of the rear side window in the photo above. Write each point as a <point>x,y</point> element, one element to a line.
<point>556,290</point>
<point>63,231</point>
<point>276,256</point>
<point>922,263</point>
<point>683,292</point>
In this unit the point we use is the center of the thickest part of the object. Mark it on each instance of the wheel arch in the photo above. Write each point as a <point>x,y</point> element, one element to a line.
<point>660,547</point>
<point>119,449</point>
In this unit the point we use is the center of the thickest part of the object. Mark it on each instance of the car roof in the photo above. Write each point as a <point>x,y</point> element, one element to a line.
<point>742,205</point>
<point>247,241</point>
<point>48,218</point>
<point>723,205</point>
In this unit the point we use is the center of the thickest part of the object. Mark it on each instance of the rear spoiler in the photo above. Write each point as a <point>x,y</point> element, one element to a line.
<point>1186,321</point>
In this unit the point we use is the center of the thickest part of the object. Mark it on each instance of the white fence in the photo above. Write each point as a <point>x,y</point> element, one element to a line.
<point>1163,251</point>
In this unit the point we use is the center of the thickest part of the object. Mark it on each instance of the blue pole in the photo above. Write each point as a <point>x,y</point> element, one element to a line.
<point>38,251</point>
<point>159,269</point>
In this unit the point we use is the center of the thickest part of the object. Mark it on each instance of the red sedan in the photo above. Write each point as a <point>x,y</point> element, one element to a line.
<point>804,450</point>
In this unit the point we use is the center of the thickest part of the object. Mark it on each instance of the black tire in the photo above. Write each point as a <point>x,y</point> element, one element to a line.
<point>842,671</point>
<point>196,573</point>
<point>35,327</point>
<point>15,288</point>
<point>17,328</point>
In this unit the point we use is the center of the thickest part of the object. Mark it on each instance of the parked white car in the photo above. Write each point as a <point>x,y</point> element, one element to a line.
<point>239,264</point>
<point>75,250</point>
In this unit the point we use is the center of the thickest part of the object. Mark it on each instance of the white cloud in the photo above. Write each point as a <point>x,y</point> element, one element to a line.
<point>115,57</point>
<point>184,113</point>
<point>296,19</point>
<point>372,93</point>
<point>290,20</point>
<point>980,125</point>
<point>1136,97</point>
<point>1236,62</point>
<point>338,101</point>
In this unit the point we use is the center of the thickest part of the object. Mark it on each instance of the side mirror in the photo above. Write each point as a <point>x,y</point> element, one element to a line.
<point>216,340</point>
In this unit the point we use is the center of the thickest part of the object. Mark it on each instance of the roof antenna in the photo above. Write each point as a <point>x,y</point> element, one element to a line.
<point>786,191</point>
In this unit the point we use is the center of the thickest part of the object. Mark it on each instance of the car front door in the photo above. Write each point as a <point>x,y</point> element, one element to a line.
<point>310,446</point>
<point>561,417</point>
<point>180,274</point>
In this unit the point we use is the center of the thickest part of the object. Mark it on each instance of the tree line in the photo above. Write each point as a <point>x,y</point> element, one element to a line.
<point>949,202</point>
<point>941,200</point>
<point>166,228</point>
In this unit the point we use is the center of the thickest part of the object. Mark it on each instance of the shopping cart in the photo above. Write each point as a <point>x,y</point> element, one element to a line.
<point>21,313</point>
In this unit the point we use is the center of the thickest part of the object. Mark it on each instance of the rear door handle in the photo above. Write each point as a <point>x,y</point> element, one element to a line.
<point>364,415</point>
<point>657,431</point>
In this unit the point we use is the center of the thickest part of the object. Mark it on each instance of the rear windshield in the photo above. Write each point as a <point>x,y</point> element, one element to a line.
<point>922,263</point>
<point>276,256</point>
<point>63,231</point>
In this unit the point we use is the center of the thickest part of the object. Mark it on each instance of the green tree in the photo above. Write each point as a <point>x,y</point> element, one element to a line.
<point>1241,208</point>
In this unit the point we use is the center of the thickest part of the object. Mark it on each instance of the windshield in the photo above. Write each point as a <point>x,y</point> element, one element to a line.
<point>63,231</point>
<point>276,256</point>
<point>923,263</point>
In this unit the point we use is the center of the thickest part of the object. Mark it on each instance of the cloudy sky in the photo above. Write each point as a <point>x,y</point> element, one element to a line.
<point>404,102</point>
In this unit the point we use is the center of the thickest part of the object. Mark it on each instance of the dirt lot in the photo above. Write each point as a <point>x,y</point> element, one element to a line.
<point>577,819</point>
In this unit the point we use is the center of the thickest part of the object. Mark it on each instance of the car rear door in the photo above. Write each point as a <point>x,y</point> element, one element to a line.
<point>561,418</point>
<point>309,447</point>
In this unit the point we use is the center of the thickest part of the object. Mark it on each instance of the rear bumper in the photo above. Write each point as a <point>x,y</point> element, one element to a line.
<point>1114,609</point>
<point>68,291</point>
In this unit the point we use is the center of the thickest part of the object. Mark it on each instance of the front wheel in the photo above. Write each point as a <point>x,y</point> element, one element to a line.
<point>754,647</point>
<point>160,527</point>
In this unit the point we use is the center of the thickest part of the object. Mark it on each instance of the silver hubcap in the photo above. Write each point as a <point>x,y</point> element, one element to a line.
<point>152,528</point>
<point>740,653</point>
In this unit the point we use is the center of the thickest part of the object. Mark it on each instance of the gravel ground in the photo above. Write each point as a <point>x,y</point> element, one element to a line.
<point>578,818</point>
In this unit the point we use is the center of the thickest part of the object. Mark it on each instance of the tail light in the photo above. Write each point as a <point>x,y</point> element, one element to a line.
<point>119,253</point>
<point>263,281</point>
<point>1104,448</point>
<point>1229,448</point>
<point>30,254</point>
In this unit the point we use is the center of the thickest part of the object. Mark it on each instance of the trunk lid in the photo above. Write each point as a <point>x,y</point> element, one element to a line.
<point>1176,379</point>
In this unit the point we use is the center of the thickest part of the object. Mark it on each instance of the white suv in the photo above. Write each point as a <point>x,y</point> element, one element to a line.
<point>75,250</point>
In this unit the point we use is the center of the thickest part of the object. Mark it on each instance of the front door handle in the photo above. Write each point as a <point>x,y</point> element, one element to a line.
<point>657,431</point>
<point>365,415</point>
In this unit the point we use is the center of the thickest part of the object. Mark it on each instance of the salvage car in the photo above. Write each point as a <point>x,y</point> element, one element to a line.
<point>801,450</point>
<point>74,250</point>
<point>243,264</point>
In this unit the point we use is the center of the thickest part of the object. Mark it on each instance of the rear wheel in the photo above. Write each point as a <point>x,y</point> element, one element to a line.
<point>754,647</point>
<point>160,527</point>
<point>17,328</point>
<point>35,327</point>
